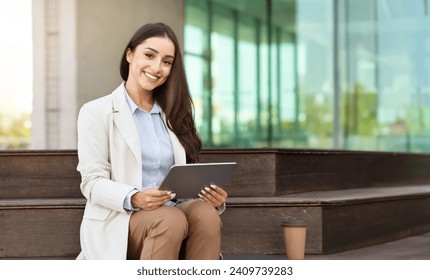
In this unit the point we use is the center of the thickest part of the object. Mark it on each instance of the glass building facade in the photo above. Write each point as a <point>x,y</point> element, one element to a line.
<point>326,74</point>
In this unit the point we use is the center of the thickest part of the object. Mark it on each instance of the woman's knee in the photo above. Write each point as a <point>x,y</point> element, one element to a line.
<point>204,216</point>
<point>173,222</point>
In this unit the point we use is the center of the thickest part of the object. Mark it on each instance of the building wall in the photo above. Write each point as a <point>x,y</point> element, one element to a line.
<point>103,30</point>
<point>77,48</point>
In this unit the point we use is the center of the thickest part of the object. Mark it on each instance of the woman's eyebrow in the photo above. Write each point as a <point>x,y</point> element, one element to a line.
<point>154,50</point>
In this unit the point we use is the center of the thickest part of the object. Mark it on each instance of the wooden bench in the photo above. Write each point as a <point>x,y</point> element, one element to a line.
<point>349,200</point>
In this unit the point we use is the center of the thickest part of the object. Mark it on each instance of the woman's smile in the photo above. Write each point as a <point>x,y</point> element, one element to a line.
<point>152,77</point>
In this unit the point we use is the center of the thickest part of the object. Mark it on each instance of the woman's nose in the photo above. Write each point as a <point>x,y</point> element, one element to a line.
<point>156,67</point>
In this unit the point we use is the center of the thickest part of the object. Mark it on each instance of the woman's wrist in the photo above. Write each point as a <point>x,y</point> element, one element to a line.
<point>221,208</point>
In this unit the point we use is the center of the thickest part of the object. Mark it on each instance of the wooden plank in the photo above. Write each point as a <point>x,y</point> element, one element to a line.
<point>38,233</point>
<point>316,171</point>
<point>353,226</point>
<point>39,174</point>
<point>49,203</point>
<point>261,172</point>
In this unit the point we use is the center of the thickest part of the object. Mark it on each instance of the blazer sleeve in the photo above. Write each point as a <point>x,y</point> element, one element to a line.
<point>94,159</point>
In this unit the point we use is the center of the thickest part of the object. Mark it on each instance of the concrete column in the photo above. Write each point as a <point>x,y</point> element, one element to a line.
<point>38,134</point>
<point>54,74</point>
<point>68,74</point>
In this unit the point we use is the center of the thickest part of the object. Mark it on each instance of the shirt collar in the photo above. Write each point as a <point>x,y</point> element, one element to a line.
<point>133,107</point>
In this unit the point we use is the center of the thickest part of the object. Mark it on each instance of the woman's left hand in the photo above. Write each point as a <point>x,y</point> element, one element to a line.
<point>214,195</point>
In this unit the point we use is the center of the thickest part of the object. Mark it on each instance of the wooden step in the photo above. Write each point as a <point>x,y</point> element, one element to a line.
<point>260,172</point>
<point>40,228</point>
<point>349,200</point>
<point>39,174</point>
<point>271,172</point>
<point>337,220</point>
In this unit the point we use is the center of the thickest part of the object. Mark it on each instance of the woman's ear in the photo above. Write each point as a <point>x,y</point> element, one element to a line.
<point>129,55</point>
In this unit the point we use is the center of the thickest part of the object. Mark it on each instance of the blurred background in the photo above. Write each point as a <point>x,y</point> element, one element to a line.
<point>323,74</point>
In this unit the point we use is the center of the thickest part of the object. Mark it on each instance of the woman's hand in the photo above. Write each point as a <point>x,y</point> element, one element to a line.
<point>214,195</point>
<point>151,199</point>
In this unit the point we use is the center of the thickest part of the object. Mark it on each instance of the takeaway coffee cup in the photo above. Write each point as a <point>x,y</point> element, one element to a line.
<point>294,239</point>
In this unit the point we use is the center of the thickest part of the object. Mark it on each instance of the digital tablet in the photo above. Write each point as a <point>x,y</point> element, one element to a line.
<point>187,180</point>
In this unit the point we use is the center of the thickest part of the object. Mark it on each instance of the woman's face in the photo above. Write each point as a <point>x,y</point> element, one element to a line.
<point>150,63</point>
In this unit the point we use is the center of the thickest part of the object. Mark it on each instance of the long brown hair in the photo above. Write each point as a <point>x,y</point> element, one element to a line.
<point>173,96</point>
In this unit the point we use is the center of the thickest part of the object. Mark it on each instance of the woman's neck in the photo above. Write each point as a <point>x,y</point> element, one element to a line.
<point>142,98</point>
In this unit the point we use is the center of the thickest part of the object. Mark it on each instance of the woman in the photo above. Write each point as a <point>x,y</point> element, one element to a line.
<point>127,141</point>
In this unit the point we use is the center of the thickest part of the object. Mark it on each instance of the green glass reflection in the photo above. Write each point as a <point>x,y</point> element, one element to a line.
<point>386,85</point>
<point>344,74</point>
<point>224,118</point>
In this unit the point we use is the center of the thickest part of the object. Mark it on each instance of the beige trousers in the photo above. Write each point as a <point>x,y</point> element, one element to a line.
<point>190,230</point>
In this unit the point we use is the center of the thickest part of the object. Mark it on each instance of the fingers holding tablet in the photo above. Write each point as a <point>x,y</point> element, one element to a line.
<point>214,195</point>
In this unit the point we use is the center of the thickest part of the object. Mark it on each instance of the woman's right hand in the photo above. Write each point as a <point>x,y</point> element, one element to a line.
<point>151,199</point>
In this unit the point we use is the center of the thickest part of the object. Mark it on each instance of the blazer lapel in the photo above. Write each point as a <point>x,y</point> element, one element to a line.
<point>124,121</point>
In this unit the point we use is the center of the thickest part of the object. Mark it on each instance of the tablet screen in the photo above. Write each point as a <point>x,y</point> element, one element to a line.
<point>189,179</point>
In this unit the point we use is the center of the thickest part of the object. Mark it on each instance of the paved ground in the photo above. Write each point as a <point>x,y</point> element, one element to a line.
<point>411,248</point>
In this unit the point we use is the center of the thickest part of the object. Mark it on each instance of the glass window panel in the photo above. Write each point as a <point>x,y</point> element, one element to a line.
<point>314,35</point>
<point>195,67</point>
<point>196,45</point>
<point>247,74</point>
<point>264,82</point>
<point>385,47</point>
<point>403,41</point>
<point>222,79</point>
<point>291,135</point>
<point>197,64</point>
<point>288,83</point>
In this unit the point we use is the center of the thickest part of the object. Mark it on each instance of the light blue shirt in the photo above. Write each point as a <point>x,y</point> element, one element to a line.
<point>156,147</point>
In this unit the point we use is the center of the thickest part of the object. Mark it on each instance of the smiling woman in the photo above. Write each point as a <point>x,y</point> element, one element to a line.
<point>15,73</point>
<point>127,142</point>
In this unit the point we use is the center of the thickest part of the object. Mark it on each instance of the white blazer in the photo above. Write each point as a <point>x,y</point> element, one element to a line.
<point>110,164</point>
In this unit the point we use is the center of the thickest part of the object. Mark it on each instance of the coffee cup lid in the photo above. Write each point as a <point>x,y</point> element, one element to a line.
<point>294,223</point>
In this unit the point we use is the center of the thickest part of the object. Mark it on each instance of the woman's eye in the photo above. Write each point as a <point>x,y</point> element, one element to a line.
<point>148,55</point>
<point>167,62</point>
